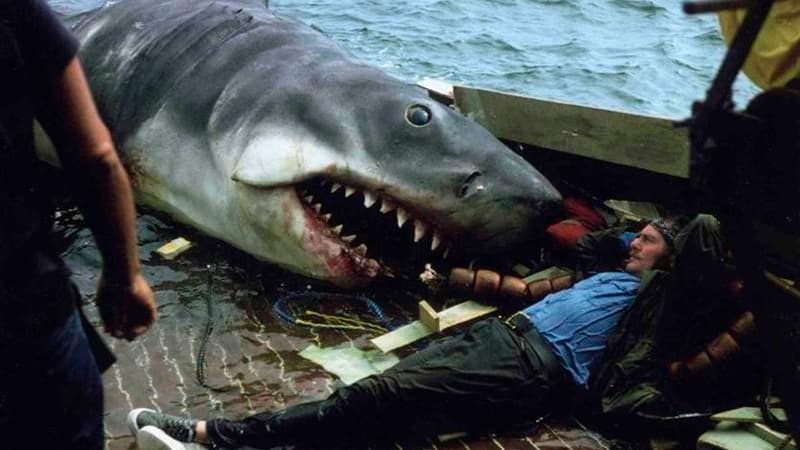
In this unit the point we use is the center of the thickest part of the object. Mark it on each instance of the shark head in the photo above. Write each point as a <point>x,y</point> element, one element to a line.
<point>375,174</point>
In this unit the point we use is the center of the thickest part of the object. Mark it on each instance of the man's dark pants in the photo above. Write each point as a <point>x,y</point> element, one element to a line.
<point>486,378</point>
<point>51,392</point>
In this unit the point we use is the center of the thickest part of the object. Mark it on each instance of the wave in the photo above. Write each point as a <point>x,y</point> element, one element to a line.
<point>648,7</point>
<point>573,50</point>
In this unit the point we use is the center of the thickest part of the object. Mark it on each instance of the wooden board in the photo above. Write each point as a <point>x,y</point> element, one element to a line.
<point>729,436</point>
<point>631,140</point>
<point>748,414</point>
<point>418,329</point>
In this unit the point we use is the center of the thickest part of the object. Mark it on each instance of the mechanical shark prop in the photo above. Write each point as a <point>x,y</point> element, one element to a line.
<point>260,131</point>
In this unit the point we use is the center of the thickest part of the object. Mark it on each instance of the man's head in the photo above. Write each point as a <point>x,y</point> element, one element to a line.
<point>653,247</point>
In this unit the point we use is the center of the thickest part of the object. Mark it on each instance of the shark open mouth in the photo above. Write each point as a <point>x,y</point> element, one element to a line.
<point>375,226</point>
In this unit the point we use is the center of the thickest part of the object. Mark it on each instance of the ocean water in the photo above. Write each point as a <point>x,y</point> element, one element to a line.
<point>642,56</point>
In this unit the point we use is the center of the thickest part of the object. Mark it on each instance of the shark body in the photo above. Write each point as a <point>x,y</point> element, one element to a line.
<point>260,131</point>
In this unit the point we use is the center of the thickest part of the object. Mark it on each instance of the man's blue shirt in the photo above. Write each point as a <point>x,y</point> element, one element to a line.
<point>578,321</point>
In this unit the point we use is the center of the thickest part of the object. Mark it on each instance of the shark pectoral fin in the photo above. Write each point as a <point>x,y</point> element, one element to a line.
<point>277,160</point>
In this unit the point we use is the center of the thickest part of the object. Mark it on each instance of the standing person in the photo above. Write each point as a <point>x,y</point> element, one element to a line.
<point>50,385</point>
<point>498,373</point>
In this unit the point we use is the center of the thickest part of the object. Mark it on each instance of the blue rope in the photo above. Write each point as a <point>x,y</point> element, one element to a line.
<point>280,310</point>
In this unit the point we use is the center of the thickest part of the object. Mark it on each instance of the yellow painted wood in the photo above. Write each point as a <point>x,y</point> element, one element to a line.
<point>747,414</point>
<point>773,437</point>
<point>429,317</point>
<point>416,330</point>
<point>463,312</point>
<point>632,140</point>
<point>730,436</point>
<point>401,336</point>
<point>174,248</point>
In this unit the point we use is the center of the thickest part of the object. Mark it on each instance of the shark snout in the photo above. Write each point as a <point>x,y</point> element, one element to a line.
<point>540,201</point>
<point>507,201</point>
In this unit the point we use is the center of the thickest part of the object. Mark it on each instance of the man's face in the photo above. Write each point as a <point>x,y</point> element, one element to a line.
<point>647,251</point>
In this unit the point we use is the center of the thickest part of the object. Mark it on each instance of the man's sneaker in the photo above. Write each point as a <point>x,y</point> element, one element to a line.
<point>152,438</point>
<point>178,428</point>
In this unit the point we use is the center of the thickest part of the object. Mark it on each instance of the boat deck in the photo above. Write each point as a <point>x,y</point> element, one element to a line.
<point>252,354</point>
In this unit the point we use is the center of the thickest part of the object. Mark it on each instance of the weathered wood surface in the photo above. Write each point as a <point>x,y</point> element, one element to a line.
<point>430,323</point>
<point>631,140</point>
<point>252,357</point>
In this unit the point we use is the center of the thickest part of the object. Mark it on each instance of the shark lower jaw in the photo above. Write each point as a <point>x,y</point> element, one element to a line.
<point>375,234</point>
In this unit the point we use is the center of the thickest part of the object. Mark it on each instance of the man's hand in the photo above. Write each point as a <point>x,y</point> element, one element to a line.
<point>127,310</point>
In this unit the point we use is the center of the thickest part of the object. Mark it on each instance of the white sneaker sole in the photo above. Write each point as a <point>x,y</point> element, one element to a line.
<point>152,438</point>
<point>132,415</point>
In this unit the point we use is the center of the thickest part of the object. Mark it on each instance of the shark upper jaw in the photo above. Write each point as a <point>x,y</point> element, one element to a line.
<point>374,233</point>
<point>353,230</point>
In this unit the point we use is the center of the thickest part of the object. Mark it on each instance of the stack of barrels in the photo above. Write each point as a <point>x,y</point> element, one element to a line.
<point>491,286</point>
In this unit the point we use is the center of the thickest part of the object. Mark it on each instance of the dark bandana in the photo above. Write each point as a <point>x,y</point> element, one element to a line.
<point>669,230</point>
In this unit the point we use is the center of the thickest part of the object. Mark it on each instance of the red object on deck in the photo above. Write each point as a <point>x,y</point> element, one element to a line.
<point>581,219</point>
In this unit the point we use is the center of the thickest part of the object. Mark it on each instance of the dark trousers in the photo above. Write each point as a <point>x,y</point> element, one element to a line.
<point>51,393</point>
<point>486,378</point>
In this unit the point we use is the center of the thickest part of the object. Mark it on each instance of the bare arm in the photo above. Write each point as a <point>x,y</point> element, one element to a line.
<point>104,195</point>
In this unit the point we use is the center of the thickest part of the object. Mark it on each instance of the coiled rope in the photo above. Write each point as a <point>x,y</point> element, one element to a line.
<point>309,318</point>
<point>318,320</point>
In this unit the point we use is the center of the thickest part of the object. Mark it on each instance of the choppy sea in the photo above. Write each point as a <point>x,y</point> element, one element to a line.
<point>643,56</point>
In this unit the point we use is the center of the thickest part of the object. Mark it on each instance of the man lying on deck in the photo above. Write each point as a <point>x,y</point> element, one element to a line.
<point>496,374</point>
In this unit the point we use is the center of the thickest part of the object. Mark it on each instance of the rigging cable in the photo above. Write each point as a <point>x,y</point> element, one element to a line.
<point>202,365</point>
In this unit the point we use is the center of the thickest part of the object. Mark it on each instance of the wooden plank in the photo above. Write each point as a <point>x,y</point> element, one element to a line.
<point>728,436</point>
<point>441,90</point>
<point>401,336</point>
<point>174,248</point>
<point>773,437</point>
<point>429,317</point>
<point>631,140</point>
<point>748,414</point>
<point>416,330</point>
<point>634,211</point>
<point>463,312</point>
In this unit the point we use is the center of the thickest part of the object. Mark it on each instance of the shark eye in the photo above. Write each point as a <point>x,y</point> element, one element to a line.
<point>418,115</point>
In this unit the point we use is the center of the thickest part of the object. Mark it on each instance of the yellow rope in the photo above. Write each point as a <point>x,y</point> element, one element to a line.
<point>343,326</point>
<point>343,322</point>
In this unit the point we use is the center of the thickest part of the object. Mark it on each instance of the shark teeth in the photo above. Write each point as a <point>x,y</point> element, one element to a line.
<point>335,191</point>
<point>387,206</point>
<point>402,217</point>
<point>361,250</point>
<point>369,199</point>
<point>435,241</point>
<point>420,228</point>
